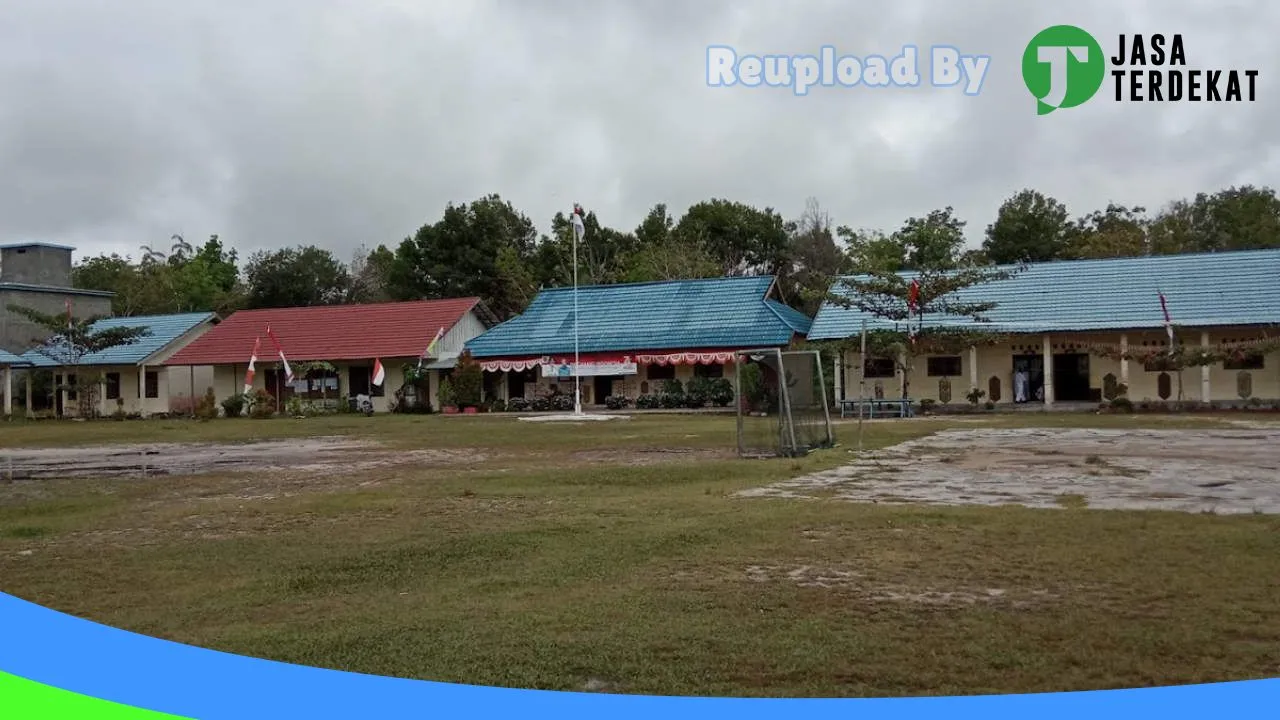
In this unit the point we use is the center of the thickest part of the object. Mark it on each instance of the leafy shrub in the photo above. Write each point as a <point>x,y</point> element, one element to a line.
<point>617,402</point>
<point>647,402</point>
<point>975,396</point>
<point>517,404</point>
<point>698,392</point>
<point>1122,404</point>
<point>927,405</point>
<point>263,405</point>
<point>562,402</point>
<point>540,404</point>
<point>234,405</point>
<point>293,406</point>
<point>990,405</point>
<point>207,408</point>
<point>721,392</point>
<point>447,394</point>
<point>468,381</point>
<point>671,401</point>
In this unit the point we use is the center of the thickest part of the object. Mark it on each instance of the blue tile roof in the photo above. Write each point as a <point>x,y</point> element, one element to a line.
<point>8,358</point>
<point>1202,289</point>
<point>165,329</point>
<point>727,312</point>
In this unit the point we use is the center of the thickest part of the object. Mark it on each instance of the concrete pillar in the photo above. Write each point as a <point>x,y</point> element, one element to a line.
<point>8,391</point>
<point>902,376</point>
<point>973,368</point>
<point>1124,361</point>
<point>1048,371</point>
<point>102,394</point>
<point>1204,371</point>
<point>31,413</point>
<point>142,390</point>
<point>838,377</point>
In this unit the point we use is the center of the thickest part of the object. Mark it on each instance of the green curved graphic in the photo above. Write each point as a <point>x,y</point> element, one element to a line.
<point>22,699</point>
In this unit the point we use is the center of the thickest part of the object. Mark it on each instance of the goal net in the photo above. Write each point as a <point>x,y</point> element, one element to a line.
<point>782,403</point>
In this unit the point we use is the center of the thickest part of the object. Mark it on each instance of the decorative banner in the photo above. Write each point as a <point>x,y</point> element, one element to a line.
<point>56,665</point>
<point>563,369</point>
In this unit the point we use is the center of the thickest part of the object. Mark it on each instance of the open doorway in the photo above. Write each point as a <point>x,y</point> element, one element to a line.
<point>1071,377</point>
<point>1028,378</point>
<point>604,387</point>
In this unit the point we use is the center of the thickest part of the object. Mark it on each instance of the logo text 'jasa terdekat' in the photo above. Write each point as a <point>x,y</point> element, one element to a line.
<point>1153,68</point>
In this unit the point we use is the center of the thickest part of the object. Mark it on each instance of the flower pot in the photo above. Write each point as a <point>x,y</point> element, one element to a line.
<point>450,410</point>
<point>470,411</point>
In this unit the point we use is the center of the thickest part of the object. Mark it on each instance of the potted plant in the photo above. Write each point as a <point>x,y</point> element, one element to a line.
<point>468,384</point>
<point>448,397</point>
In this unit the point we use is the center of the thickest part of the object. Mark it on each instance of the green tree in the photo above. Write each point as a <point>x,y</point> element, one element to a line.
<point>933,242</point>
<point>186,279</point>
<point>1237,218</point>
<point>370,274</point>
<point>885,294</point>
<point>872,250</point>
<point>1117,231</point>
<point>296,277</point>
<point>67,341</point>
<point>1029,227</point>
<point>458,255</point>
<point>602,254</point>
<point>660,254</point>
<point>744,240</point>
<point>815,259</point>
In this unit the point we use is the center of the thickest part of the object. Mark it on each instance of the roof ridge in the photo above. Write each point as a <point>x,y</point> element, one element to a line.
<point>673,281</point>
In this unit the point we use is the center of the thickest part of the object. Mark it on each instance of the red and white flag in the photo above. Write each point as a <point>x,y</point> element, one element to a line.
<point>288,371</point>
<point>576,217</point>
<point>253,360</point>
<point>379,373</point>
<point>1168,321</point>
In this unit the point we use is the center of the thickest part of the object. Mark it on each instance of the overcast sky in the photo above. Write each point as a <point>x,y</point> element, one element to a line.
<point>342,122</point>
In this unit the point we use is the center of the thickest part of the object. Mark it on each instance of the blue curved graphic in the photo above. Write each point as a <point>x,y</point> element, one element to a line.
<point>80,656</point>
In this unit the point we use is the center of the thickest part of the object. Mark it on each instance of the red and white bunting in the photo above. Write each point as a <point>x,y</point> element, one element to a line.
<point>253,360</point>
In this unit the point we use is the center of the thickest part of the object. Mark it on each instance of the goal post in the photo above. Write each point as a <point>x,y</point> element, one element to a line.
<point>782,408</point>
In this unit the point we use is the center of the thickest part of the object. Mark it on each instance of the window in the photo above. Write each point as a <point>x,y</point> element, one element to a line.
<point>1252,361</point>
<point>113,386</point>
<point>153,384</point>
<point>72,395</point>
<point>944,366</point>
<point>319,384</point>
<point>708,371</point>
<point>879,368</point>
<point>660,372</point>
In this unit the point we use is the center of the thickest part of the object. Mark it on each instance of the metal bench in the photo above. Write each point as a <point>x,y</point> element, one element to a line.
<point>872,408</point>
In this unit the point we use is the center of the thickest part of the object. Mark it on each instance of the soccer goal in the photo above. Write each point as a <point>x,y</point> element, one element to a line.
<point>782,403</point>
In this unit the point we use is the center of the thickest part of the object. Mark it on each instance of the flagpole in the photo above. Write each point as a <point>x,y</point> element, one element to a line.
<point>577,366</point>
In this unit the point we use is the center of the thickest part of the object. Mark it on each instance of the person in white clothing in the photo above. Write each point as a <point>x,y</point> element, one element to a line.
<point>1021,381</point>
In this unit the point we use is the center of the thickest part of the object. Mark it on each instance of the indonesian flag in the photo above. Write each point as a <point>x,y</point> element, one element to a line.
<point>1168,321</point>
<point>576,217</point>
<point>379,373</point>
<point>913,307</point>
<point>288,371</point>
<point>253,359</point>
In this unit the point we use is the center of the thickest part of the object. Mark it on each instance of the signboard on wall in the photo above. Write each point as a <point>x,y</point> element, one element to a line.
<point>589,369</point>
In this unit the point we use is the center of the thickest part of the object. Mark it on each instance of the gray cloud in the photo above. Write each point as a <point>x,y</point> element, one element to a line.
<point>341,122</point>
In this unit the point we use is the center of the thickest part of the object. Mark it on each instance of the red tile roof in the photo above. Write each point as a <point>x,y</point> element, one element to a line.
<point>327,332</point>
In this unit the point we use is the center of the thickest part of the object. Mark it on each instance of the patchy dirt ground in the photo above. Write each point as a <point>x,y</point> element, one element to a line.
<point>316,455</point>
<point>1221,471</point>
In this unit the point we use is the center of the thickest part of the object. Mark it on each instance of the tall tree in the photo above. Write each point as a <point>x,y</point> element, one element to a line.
<point>1237,218</point>
<point>67,341</point>
<point>370,271</point>
<point>1117,231</point>
<point>869,250</point>
<point>888,295</point>
<point>602,253</point>
<point>815,259</point>
<point>458,255</point>
<point>295,277</point>
<point>186,279</point>
<point>934,242</point>
<point>743,239</point>
<point>1029,227</point>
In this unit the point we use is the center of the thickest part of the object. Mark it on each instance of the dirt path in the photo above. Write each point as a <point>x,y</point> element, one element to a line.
<point>1221,471</point>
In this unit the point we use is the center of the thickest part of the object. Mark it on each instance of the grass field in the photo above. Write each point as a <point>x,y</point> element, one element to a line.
<point>561,557</point>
